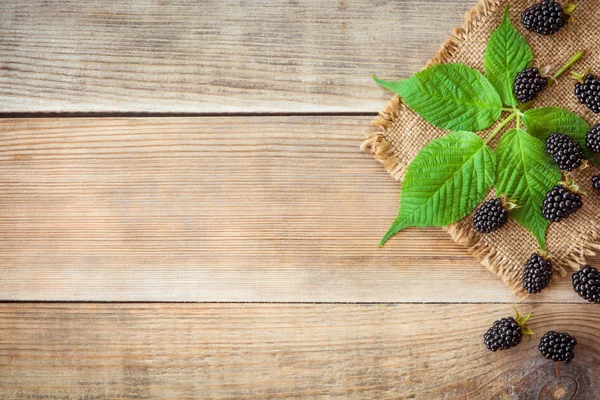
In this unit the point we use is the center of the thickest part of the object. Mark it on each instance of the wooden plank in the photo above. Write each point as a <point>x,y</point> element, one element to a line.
<point>215,209</point>
<point>221,351</point>
<point>214,56</point>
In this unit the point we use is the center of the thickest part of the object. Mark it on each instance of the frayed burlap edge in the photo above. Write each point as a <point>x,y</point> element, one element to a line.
<point>376,144</point>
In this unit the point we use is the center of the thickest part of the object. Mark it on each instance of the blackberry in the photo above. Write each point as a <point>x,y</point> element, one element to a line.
<point>565,150</point>
<point>596,183</point>
<point>560,203</point>
<point>588,92</point>
<point>592,139</point>
<point>490,216</point>
<point>586,283</point>
<point>545,18</point>
<point>507,332</point>
<point>528,84</point>
<point>537,274</point>
<point>558,346</point>
<point>504,334</point>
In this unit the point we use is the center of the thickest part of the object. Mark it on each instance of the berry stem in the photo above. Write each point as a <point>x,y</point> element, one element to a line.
<point>499,127</point>
<point>568,65</point>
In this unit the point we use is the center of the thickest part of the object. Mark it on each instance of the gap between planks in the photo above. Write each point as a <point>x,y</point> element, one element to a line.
<point>34,115</point>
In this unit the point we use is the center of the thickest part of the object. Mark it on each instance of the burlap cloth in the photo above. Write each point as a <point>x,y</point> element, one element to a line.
<point>399,133</point>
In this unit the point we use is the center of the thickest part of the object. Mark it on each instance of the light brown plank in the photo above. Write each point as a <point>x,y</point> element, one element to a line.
<point>287,351</point>
<point>215,209</point>
<point>215,55</point>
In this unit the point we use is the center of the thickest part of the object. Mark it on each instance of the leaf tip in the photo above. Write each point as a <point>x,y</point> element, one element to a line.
<point>384,84</point>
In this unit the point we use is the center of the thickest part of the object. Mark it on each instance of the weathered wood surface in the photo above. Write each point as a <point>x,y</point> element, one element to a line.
<point>216,209</point>
<point>221,351</point>
<point>213,56</point>
<point>259,209</point>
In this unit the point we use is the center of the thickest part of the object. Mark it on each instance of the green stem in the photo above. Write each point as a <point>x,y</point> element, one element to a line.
<point>568,65</point>
<point>499,127</point>
<point>518,122</point>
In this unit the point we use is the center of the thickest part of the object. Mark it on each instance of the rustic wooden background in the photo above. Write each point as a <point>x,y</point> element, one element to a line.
<point>157,152</point>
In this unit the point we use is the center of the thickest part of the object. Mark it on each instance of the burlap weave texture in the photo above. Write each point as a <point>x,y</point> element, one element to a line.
<point>399,134</point>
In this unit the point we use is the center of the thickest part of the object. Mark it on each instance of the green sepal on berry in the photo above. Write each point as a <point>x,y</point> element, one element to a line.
<point>509,204</point>
<point>579,77</point>
<point>569,8</point>
<point>522,321</point>
<point>572,186</point>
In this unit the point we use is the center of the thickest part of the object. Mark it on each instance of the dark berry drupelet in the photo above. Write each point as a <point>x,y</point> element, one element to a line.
<point>596,183</point>
<point>490,216</point>
<point>537,274</point>
<point>588,92</point>
<point>592,139</point>
<point>586,283</point>
<point>558,346</point>
<point>545,18</point>
<point>528,84</point>
<point>504,334</point>
<point>565,151</point>
<point>560,203</point>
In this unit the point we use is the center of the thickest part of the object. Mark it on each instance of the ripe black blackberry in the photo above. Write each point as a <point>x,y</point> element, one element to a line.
<point>558,346</point>
<point>592,139</point>
<point>588,92</point>
<point>537,274</point>
<point>490,216</point>
<point>528,84</point>
<point>565,151</point>
<point>560,203</point>
<point>506,333</point>
<point>596,183</point>
<point>586,283</point>
<point>545,18</point>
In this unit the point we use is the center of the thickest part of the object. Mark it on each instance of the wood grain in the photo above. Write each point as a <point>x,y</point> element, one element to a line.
<point>220,351</point>
<point>214,56</point>
<point>216,209</point>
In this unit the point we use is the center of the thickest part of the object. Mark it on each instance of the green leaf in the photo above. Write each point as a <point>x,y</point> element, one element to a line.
<point>541,122</point>
<point>445,182</point>
<point>450,96</point>
<point>525,174</point>
<point>506,54</point>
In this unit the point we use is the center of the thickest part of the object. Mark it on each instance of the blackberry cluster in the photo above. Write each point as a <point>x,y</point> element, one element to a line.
<point>528,84</point>
<point>588,93</point>
<point>560,203</point>
<point>596,183</point>
<point>504,334</point>
<point>537,274</point>
<point>565,151</point>
<point>545,18</point>
<point>558,346</point>
<point>490,216</point>
<point>592,139</point>
<point>586,283</point>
